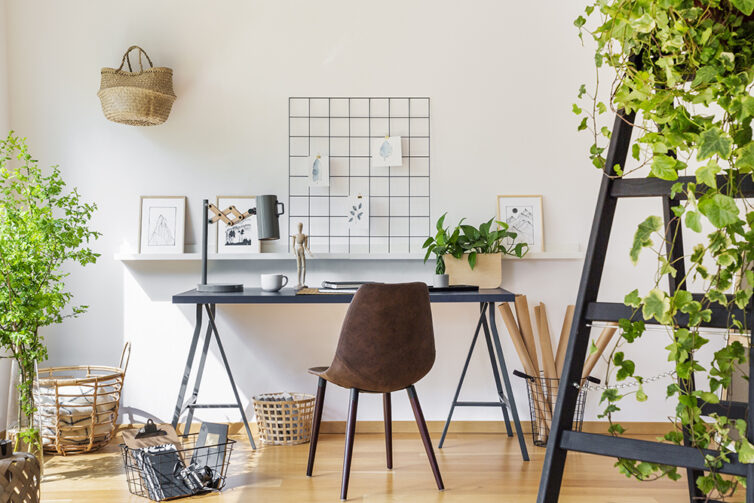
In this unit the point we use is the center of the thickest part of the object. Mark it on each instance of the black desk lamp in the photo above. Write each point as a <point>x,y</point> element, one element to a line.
<point>267,225</point>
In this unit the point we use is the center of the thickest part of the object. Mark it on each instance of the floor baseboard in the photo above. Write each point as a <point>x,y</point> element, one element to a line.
<point>436,427</point>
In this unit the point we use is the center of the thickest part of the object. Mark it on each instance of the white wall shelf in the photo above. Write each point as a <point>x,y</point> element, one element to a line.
<point>175,257</point>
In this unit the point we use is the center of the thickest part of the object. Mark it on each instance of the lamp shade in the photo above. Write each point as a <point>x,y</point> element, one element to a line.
<point>267,217</point>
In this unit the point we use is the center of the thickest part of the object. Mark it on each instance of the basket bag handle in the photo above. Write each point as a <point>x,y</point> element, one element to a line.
<point>127,59</point>
<point>127,357</point>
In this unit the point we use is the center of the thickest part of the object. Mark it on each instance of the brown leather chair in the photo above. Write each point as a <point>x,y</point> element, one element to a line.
<point>386,344</point>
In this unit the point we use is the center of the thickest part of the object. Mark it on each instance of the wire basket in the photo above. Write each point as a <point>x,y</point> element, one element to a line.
<point>284,418</point>
<point>177,471</point>
<point>543,394</point>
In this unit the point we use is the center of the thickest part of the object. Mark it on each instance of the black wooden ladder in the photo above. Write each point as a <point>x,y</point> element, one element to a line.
<point>562,438</point>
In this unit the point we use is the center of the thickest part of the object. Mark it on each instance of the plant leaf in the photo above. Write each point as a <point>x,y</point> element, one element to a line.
<point>714,142</point>
<point>721,210</point>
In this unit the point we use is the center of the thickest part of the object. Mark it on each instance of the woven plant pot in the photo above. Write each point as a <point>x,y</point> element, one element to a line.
<point>20,478</point>
<point>285,422</point>
<point>77,407</point>
<point>142,98</point>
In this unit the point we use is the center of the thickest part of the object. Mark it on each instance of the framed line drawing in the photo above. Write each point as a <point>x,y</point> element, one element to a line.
<point>162,224</point>
<point>523,214</point>
<point>242,237</point>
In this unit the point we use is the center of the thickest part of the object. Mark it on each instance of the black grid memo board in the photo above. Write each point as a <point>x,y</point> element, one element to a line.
<point>344,128</point>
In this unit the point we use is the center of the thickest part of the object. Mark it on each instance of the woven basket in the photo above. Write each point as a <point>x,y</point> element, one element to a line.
<point>77,407</point>
<point>20,478</point>
<point>285,422</point>
<point>142,98</point>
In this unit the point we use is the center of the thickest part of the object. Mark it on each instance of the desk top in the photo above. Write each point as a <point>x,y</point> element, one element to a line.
<point>288,296</point>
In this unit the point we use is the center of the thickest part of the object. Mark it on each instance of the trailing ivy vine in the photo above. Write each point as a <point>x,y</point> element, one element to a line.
<point>685,68</point>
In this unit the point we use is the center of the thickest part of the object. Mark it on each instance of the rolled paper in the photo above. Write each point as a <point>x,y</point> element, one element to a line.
<point>602,342</point>
<point>545,343</point>
<point>524,323</point>
<point>565,333</point>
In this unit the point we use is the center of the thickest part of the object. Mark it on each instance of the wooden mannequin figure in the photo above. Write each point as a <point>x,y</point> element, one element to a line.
<point>300,249</point>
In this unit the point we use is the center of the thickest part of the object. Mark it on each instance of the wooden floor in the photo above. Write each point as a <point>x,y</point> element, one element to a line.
<point>476,468</point>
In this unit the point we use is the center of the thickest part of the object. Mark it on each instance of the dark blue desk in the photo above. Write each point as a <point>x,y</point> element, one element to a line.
<point>207,303</point>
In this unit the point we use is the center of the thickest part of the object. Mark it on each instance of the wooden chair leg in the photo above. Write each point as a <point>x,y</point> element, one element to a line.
<point>316,421</point>
<point>425,435</point>
<point>350,434</point>
<point>388,410</point>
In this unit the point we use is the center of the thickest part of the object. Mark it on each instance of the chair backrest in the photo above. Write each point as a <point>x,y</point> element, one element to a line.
<point>387,342</point>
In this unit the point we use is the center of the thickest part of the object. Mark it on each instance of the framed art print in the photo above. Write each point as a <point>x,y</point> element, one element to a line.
<point>162,224</point>
<point>523,214</point>
<point>242,237</point>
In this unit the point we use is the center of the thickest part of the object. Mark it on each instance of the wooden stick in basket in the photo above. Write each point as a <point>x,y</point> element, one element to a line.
<point>524,323</point>
<point>602,342</point>
<point>565,333</point>
<point>518,341</point>
<point>545,343</point>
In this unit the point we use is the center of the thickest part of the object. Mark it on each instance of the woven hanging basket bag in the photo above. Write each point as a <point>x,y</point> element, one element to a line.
<point>142,98</point>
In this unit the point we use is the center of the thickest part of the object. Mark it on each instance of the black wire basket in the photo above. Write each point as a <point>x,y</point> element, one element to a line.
<point>543,394</point>
<point>169,471</point>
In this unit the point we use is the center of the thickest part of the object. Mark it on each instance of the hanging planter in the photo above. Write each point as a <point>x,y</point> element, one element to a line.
<point>142,98</point>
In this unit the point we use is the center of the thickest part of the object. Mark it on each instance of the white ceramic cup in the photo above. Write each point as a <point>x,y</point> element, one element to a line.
<point>273,282</point>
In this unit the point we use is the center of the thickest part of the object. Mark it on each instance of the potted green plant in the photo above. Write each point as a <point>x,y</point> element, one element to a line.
<point>476,258</point>
<point>42,228</point>
<point>687,68</point>
<point>441,244</point>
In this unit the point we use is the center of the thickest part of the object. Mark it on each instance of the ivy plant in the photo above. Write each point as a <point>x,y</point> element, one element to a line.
<point>685,68</point>
<point>42,229</point>
<point>467,240</point>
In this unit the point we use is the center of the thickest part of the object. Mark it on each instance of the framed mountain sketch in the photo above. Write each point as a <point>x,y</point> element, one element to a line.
<point>162,224</point>
<point>523,214</point>
<point>242,237</point>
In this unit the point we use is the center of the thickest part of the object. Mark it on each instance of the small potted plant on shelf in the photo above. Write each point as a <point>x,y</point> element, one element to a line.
<point>42,227</point>
<point>477,256</point>
<point>472,255</point>
<point>441,244</point>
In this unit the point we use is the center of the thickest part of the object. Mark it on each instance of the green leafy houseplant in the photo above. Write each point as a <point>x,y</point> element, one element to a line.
<point>444,242</point>
<point>42,227</point>
<point>686,68</point>
<point>470,241</point>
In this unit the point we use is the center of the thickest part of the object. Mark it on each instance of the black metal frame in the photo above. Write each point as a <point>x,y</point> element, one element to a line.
<point>504,402</point>
<point>588,309</point>
<point>316,239</point>
<point>192,404</point>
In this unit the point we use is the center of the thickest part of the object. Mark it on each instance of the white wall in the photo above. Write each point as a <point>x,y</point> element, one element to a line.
<point>4,126</point>
<point>501,76</point>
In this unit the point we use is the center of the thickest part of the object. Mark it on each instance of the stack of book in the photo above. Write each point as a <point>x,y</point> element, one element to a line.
<point>342,286</point>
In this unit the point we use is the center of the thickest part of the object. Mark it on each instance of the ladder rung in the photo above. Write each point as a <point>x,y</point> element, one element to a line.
<point>614,311</point>
<point>733,410</point>
<point>644,450</point>
<point>654,187</point>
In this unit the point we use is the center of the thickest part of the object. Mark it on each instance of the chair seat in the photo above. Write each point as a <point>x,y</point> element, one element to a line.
<point>318,371</point>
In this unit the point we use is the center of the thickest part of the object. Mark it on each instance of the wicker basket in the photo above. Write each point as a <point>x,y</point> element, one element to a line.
<point>77,407</point>
<point>142,98</point>
<point>284,422</point>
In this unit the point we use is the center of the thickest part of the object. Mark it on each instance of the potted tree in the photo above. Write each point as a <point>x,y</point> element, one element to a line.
<point>687,68</point>
<point>441,244</point>
<point>42,228</point>
<point>477,257</point>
